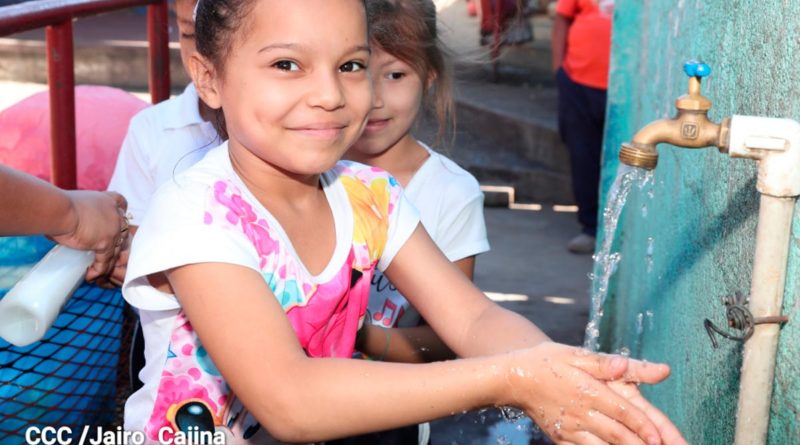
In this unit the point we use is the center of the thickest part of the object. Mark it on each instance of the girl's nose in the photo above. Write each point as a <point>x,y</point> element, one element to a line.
<point>327,92</point>
<point>377,96</point>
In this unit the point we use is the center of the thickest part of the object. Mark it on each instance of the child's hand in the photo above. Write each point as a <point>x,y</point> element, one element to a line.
<point>116,277</point>
<point>565,391</point>
<point>669,433</point>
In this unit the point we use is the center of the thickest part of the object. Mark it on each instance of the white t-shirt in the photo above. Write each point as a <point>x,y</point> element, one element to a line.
<point>450,205</point>
<point>207,214</point>
<point>162,140</point>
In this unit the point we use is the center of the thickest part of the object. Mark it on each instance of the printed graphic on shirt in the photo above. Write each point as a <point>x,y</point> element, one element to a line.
<point>192,395</point>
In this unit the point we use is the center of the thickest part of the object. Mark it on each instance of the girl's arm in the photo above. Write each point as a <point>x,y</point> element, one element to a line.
<point>84,220</point>
<point>402,345</point>
<point>471,324</point>
<point>301,399</point>
<point>463,317</point>
<point>418,344</point>
<point>467,266</point>
<point>558,42</point>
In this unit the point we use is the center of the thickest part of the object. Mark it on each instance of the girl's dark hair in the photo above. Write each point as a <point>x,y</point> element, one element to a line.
<point>216,25</point>
<point>406,29</point>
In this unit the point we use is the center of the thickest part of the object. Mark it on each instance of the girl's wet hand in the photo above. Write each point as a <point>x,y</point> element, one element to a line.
<point>669,432</point>
<point>564,390</point>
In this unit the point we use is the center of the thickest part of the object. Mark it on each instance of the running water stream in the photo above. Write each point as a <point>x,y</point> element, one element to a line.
<point>606,260</point>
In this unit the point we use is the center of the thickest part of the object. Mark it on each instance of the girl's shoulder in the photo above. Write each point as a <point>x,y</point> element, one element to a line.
<point>443,174</point>
<point>191,187</point>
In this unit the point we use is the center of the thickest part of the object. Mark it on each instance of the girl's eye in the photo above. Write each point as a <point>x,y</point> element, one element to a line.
<point>395,75</point>
<point>187,36</point>
<point>286,65</point>
<point>352,67</point>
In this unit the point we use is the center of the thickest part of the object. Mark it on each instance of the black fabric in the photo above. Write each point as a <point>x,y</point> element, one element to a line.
<point>401,436</point>
<point>581,119</point>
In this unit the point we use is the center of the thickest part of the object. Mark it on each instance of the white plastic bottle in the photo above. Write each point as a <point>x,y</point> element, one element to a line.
<point>32,305</point>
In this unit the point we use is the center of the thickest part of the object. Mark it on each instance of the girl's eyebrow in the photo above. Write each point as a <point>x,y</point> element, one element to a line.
<point>295,46</point>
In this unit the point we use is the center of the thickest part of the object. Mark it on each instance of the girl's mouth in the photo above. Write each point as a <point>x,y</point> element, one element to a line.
<point>377,124</point>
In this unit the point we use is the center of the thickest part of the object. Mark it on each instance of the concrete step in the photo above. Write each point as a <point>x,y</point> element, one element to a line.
<point>508,135</point>
<point>110,49</point>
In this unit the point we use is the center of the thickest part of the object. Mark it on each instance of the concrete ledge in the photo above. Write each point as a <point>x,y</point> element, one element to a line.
<point>122,65</point>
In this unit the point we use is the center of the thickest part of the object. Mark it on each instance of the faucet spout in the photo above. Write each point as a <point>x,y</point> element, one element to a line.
<point>690,128</point>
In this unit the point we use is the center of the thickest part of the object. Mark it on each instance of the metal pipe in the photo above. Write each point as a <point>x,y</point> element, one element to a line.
<point>158,37</point>
<point>38,14</point>
<point>766,298</point>
<point>61,79</point>
<point>775,144</point>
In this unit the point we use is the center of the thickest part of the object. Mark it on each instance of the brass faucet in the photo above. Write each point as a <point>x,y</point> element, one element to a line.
<point>690,128</point>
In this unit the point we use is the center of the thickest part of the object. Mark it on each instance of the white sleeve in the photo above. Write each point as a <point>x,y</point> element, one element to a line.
<point>134,175</point>
<point>461,231</point>
<point>403,220</point>
<point>175,232</point>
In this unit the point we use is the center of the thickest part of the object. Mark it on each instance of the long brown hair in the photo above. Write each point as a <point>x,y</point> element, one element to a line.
<point>406,29</point>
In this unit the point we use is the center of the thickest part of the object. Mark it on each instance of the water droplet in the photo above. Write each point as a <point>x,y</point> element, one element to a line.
<point>503,440</point>
<point>519,371</point>
<point>511,414</point>
<point>591,413</point>
<point>557,424</point>
<point>624,351</point>
<point>639,323</point>
<point>649,315</point>
<point>582,352</point>
<point>644,210</point>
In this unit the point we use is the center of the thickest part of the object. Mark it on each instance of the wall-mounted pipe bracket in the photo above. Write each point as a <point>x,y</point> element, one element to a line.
<point>739,318</point>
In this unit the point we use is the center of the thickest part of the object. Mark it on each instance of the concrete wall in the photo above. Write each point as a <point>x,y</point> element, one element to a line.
<point>687,238</point>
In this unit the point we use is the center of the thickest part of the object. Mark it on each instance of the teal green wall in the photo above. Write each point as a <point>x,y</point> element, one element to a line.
<point>687,238</point>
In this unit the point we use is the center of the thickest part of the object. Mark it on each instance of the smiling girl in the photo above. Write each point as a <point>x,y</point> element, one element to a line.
<point>268,246</point>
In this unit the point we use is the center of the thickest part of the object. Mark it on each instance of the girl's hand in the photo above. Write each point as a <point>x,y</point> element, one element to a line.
<point>565,391</point>
<point>669,433</point>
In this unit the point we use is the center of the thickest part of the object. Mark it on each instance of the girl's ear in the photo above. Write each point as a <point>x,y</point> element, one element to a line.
<point>204,77</point>
<point>431,80</point>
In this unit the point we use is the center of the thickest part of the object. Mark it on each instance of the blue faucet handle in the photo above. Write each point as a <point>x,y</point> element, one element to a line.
<point>694,68</point>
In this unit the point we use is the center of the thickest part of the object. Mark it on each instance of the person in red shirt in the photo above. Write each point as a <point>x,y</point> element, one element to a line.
<point>581,46</point>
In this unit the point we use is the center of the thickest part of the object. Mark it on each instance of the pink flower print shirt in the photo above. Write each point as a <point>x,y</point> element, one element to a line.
<point>373,221</point>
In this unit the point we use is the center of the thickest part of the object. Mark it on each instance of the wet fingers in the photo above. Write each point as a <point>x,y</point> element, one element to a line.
<point>618,409</point>
<point>669,432</point>
<point>600,429</point>
<point>617,367</point>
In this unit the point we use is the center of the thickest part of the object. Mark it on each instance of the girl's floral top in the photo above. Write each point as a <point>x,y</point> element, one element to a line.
<point>208,215</point>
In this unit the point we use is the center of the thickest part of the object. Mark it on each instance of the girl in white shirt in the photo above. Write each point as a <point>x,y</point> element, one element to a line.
<point>410,72</point>
<point>268,244</point>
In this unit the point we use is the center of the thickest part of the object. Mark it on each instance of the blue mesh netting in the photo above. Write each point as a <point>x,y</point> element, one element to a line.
<point>69,378</point>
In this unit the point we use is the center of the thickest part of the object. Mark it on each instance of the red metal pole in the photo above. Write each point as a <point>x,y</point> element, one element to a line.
<point>61,79</point>
<point>158,37</point>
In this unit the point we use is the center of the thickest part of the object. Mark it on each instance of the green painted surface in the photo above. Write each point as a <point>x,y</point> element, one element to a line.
<point>687,238</point>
